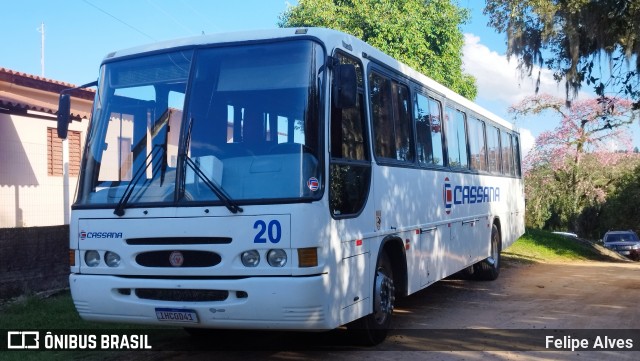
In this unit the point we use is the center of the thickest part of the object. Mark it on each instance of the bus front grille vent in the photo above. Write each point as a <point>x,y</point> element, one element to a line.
<point>165,241</point>
<point>183,295</point>
<point>178,259</point>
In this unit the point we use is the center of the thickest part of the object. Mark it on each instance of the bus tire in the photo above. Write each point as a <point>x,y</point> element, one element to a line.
<point>372,329</point>
<point>489,268</point>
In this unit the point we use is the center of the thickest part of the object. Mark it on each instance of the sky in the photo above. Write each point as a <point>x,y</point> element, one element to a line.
<point>78,34</point>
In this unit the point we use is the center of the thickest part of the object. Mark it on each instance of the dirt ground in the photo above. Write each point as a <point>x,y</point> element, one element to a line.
<point>458,319</point>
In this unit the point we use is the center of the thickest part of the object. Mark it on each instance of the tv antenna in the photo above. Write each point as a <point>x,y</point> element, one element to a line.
<point>41,31</point>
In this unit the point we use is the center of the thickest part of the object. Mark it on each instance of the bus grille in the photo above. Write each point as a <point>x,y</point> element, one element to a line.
<point>188,259</point>
<point>186,295</point>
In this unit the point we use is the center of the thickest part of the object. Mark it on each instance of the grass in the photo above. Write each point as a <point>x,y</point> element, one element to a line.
<point>53,312</point>
<point>541,246</point>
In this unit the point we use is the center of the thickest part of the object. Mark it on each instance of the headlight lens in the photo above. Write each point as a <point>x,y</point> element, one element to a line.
<point>250,258</point>
<point>92,258</point>
<point>112,259</point>
<point>277,258</point>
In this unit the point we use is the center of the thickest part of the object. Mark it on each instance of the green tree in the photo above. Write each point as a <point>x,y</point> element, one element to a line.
<point>423,34</point>
<point>621,209</point>
<point>575,39</point>
<point>571,168</point>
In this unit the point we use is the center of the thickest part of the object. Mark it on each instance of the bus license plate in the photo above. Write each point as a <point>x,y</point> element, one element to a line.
<point>176,315</point>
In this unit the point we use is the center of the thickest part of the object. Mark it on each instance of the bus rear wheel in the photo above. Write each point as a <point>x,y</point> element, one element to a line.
<point>489,268</point>
<point>373,328</point>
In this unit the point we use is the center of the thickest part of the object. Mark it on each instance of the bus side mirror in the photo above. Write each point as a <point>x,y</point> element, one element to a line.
<point>64,115</point>
<point>345,86</point>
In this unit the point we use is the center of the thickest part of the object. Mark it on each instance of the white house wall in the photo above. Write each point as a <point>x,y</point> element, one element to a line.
<point>28,195</point>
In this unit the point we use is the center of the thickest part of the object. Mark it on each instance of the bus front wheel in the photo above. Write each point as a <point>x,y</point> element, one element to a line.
<point>372,329</point>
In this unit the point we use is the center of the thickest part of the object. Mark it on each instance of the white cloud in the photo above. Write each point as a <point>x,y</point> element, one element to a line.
<point>498,79</point>
<point>500,85</point>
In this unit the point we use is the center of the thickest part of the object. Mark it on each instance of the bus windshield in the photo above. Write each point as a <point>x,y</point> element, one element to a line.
<point>220,125</point>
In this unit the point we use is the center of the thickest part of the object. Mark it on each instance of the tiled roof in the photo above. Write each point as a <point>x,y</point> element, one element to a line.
<point>35,77</point>
<point>14,100</point>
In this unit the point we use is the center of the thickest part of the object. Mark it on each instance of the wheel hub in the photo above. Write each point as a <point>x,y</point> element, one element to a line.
<point>384,297</point>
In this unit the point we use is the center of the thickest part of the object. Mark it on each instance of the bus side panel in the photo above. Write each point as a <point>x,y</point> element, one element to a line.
<point>466,211</point>
<point>355,288</point>
<point>353,252</point>
<point>434,254</point>
<point>411,207</point>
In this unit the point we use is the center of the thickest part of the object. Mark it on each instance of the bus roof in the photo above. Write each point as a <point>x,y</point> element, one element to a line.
<point>346,42</point>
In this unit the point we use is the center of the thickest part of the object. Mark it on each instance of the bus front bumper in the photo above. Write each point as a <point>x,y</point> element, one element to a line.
<point>279,303</point>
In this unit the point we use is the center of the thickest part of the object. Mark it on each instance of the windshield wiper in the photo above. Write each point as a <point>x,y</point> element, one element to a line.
<point>216,189</point>
<point>119,210</point>
<point>231,205</point>
<point>160,124</point>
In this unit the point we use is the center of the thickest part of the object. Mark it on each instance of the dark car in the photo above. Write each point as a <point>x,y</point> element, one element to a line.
<point>624,242</point>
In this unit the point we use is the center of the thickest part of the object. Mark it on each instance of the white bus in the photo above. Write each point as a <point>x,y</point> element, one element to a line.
<point>290,179</point>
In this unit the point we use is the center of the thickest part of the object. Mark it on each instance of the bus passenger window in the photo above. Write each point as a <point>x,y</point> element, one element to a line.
<point>516,155</point>
<point>493,144</point>
<point>429,129</point>
<point>456,135</point>
<point>404,123</point>
<point>507,155</point>
<point>477,147</point>
<point>391,119</point>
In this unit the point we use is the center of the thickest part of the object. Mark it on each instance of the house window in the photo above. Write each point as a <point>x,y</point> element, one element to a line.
<point>54,153</point>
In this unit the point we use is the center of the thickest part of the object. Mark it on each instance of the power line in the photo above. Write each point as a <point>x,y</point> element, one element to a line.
<point>171,17</point>
<point>121,21</point>
<point>187,5</point>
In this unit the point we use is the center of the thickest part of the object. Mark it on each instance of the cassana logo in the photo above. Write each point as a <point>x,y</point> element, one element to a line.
<point>448,196</point>
<point>88,235</point>
<point>467,194</point>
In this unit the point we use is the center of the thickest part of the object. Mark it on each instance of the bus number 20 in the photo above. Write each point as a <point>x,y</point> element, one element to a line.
<point>273,231</point>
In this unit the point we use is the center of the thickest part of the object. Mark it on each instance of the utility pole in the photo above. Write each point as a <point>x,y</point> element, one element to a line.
<point>66,202</point>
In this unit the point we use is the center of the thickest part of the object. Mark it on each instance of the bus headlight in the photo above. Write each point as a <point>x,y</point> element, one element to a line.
<point>250,258</point>
<point>92,258</point>
<point>277,258</point>
<point>112,259</point>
